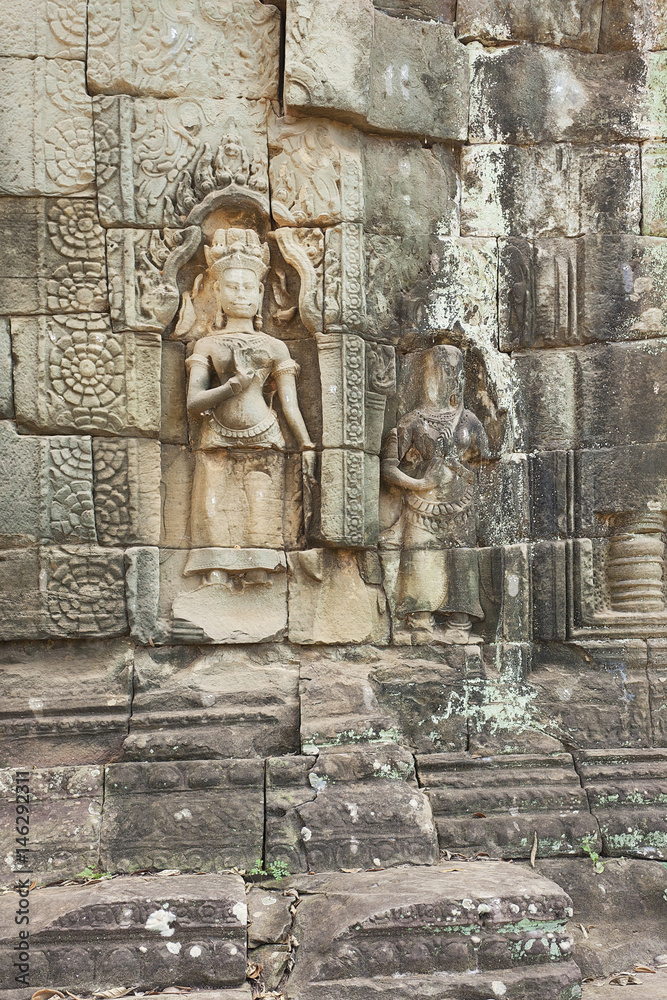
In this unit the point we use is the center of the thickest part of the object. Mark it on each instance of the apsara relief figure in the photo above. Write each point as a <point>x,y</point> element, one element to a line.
<point>427,458</point>
<point>229,372</point>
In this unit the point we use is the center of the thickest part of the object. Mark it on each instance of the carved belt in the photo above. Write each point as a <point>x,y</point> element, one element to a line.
<point>246,433</point>
<point>440,510</point>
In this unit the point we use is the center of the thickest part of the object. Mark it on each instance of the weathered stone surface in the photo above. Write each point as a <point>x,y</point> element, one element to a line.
<point>6,388</point>
<point>657,676</point>
<point>73,373</point>
<point>319,75</point>
<point>46,489</point>
<point>348,514</point>
<point>334,811</point>
<point>212,50</point>
<point>64,702</point>
<point>633,24</point>
<point>409,189</point>
<point>70,944</point>
<point>400,76</point>
<point>654,189</point>
<point>587,397</point>
<point>190,815</point>
<point>143,147</point>
<point>422,932</point>
<point>617,481</point>
<point>269,917</point>
<point>550,190</point>
<point>418,79</point>
<point>66,591</point>
<point>142,590</point>
<point>51,256</point>
<point>47,123</point>
<point>627,791</point>
<point>502,509</point>
<point>174,422</point>
<point>412,697</point>
<point>64,806</point>
<point>527,94</point>
<point>619,913</point>
<point>193,704</point>
<point>570,24</point>
<point>336,596</point>
<point>499,804</point>
<point>561,292</point>
<point>44,28</point>
<point>427,10</point>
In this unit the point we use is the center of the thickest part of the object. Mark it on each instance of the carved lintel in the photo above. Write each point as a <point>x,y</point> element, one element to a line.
<point>298,249</point>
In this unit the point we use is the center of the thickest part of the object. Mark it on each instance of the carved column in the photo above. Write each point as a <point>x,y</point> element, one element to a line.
<point>636,564</point>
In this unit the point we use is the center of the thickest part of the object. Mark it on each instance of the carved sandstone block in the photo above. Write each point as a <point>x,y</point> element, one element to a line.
<point>348,513</point>
<point>213,49</point>
<point>654,189</point>
<point>559,292</point>
<point>633,24</point>
<point>52,28</point>
<point>526,94</point>
<point>74,590</point>
<point>570,23</point>
<point>329,812</point>
<point>142,591</point>
<point>627,790</point>
<point>51,256</point>
<point>73,373</point>
<point>499,803</point>
<point>65,821</point>
<point>408,933</point>
<point>657,676</point>
<point>127,491</point>
<point>315,171</point>
<point>45,489</point>
<point>143,146</point>
<point>503,495</point>
<point>333,598</point>
<point>618,481</point>
<point>418,79</point>
<point>319,75</point>
<point>69,937</point>
<point>391,695</point>
<point>549,190</point>
<point>192,703</point>
<point>174,420</point>
<point>46,120</point>
<point>64,702</point>
<point>192,815</point>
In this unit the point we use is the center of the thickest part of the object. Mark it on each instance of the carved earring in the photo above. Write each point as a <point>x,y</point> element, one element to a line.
<point>257,318</point>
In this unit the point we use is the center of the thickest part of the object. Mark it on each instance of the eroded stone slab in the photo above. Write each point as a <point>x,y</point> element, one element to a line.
<point>633,24</point>
<point>333,811</point>
<point>127,490</point>
<point>51,256</point>
<point>213,50</point>
<point>414,697</point>
<point>47,123</point>
<point>428,10</point>
<point>420,932</point>
<point>64,702</point>
<point>654,189</point>
<point>570,24</point>
<point>190,815</point>
<point>549,190</point>
<point>195,704</point>
<point>179,930</point>
<point>269,917</point>
<point>499,804</point>
<point>65,811</point>
<point>627,791</point>
<point>6,386</point>
<point>525,94</point>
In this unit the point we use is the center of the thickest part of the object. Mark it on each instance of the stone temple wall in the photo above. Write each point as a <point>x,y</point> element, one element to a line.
<point>333,485</point>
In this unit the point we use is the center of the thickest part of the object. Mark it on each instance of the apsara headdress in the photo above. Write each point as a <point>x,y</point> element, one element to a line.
<point>237,248</point>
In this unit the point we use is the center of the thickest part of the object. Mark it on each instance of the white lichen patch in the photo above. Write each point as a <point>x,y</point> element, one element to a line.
<point>160,921</point>
<point>240,911</point>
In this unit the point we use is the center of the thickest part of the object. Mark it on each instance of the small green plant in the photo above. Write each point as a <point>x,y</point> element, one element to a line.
<point>275,869</point>
<point>90,873</point>
<point>588,848</point>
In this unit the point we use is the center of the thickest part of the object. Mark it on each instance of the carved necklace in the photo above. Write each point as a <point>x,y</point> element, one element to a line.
<point>444,422</point>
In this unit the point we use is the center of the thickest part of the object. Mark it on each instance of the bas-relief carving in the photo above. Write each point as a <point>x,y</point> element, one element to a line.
<point>426,467</point>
